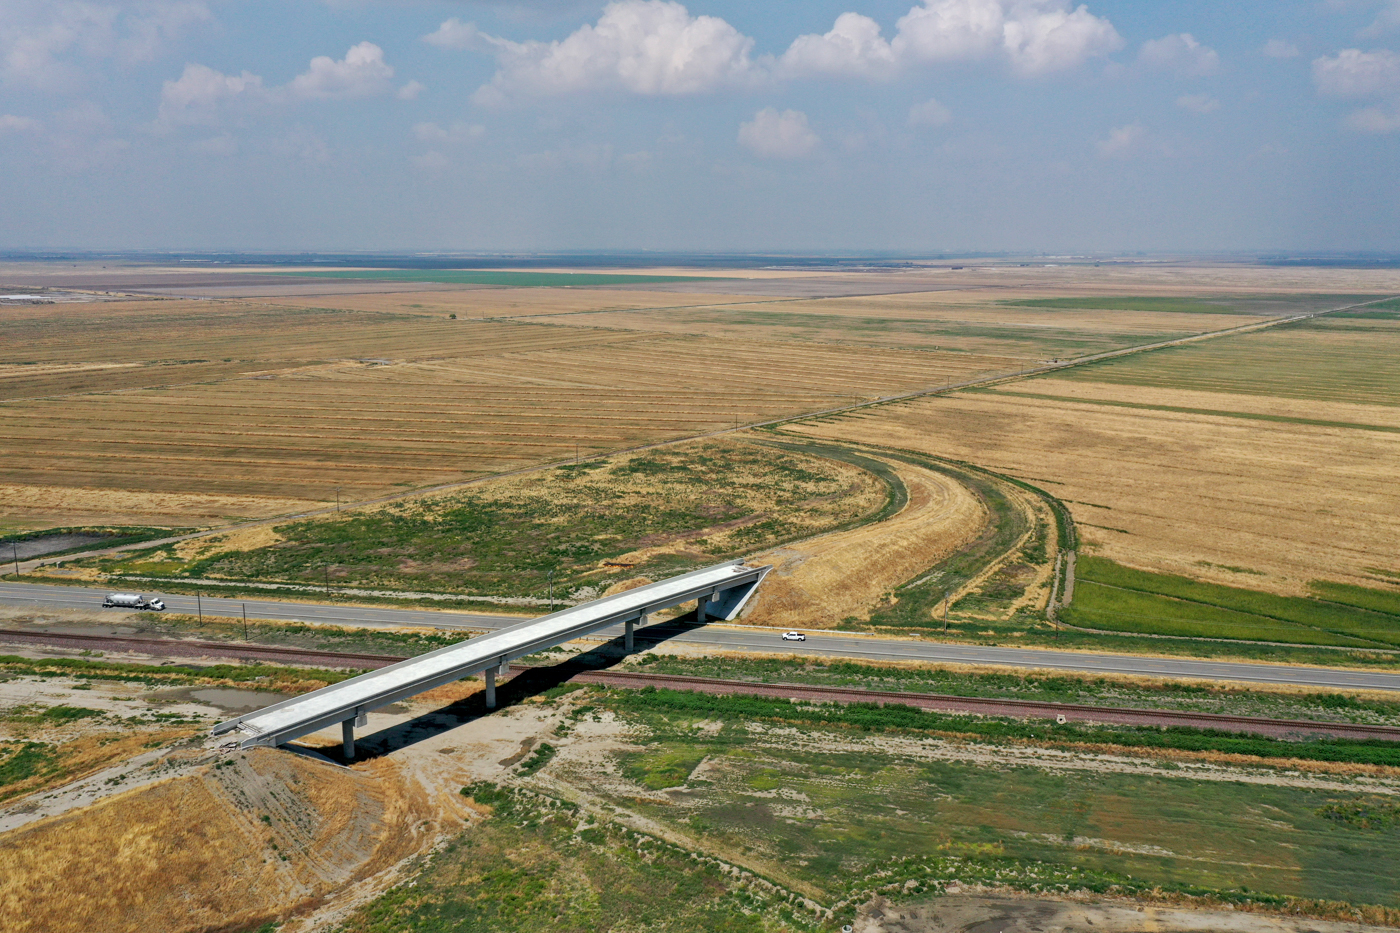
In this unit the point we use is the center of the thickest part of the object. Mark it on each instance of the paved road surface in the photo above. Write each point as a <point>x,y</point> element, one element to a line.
<point>732,638</point>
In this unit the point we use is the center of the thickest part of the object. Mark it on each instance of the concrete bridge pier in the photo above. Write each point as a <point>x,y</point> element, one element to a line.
<point>629,641</point>
<point>702,608</point>
<point>490,688</point>
<point>347,738</point>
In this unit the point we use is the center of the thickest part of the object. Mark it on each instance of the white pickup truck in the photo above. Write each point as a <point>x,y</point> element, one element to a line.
<point>133,601</point>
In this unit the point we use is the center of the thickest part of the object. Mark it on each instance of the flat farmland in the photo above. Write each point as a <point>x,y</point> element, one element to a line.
<point>1247,490</point>
<point>1348,357</point>
<point>498,396</point>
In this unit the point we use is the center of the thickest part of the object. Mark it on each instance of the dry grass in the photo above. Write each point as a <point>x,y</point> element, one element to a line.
<point>820,582</point>
<point>193,853</point>
<point>1187,493</point>
<point>44,504</point>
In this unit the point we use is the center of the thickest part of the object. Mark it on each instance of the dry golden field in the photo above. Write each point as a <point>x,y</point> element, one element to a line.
<point>185,411</point>
<point>1245,489</point>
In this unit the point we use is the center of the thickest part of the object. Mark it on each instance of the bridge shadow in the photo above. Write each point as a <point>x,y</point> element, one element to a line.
<point>524,684</point>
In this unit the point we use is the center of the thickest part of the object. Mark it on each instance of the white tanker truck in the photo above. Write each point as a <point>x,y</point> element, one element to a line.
<point>132,601</point>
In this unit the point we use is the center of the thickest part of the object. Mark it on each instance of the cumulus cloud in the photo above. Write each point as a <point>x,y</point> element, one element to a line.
<point>9,123</point>
<point>647,47</point>
<point>47,43</point>
<point>1198,103</point>
<point>1280,48</point>
<point>854,46</point>
<point>656,47</point>
<point>204,95</point>
<point>1180,53</point>
<point>361,73</point>
<point>1386,20</point>
<point>1123,141</point>
<point>775,135</point>
<point>457,133</point>
<point>929,113</point>
<point>1035,36</point>
<point>410,91</point>
<point>1354,73</point>
<point>200,93</point>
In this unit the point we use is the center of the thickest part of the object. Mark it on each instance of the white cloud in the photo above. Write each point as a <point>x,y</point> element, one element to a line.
<point>201,92</point>
<point>929,113</point>
<point>854,46</point>
<point>1180,53</point>
<point>1123,141</point>
<point>47,43</point>
<point>457,133</point>
<point>410,91</point>
<point>361,73</point>
<point>1354,73</point>
<point>1055,38</point>
<point>9,123</point>
<point>648,47</point>
<point>222,145</point>
<point>431,161</point>
<point>455,34</point>
<point>1035,36</point>
<point>203,95</point>
<point>656,47</point>
<point>1198,103</point>
<point>1375,120</point>
<point>1280,48</point>
<point>1386,20</point>
<point>775,135</point>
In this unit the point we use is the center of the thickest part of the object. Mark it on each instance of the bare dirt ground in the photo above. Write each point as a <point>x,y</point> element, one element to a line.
<point>819,582</point>
<point>992,912</point>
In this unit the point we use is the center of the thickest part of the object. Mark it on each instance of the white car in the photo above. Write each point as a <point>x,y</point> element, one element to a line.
<point>794,636</point>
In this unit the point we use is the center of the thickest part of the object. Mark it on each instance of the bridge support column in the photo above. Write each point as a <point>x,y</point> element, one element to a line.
<point>347,738</point>
<point>491,687</point>
<point>702,607</point>
<point>629,641</point>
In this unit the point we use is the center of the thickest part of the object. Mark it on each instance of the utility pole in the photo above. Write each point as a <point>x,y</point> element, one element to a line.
<point>14,549</point>
<point>328,579</point>
<point>551,591</point>
<point>945,613</point>
<point>245,621</point>
<point>337,498</point>
<point>199,605</point>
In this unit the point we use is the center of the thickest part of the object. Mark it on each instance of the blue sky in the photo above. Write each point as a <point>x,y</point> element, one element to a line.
<point>825,125</point>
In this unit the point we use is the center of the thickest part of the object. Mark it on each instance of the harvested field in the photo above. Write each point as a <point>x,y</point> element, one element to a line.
<point>43,505</point>
<point>1197,494</point>
<point>1331,359</point>
<point>369,428</point>
<point>821,582</point>
<point>965,322</point>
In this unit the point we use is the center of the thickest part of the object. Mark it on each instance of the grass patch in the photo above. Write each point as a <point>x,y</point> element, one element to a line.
<point>1371,813</point>
<point>20,761</point>
<point>530,867</point>
<point>671,768</point>
<point>869,717</point>
<point>1111,596</point>
<point>1085,690</point>
<point>254,676</point>
<point>543,753</point>
<point>654,513</point>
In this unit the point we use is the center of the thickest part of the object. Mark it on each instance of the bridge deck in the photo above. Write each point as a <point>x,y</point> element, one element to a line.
<point>722,590</point>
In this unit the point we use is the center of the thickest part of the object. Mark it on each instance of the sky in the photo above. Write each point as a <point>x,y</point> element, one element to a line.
<point>821,126</point>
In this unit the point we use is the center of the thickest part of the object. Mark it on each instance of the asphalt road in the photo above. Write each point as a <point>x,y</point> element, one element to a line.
<point>734,638</point>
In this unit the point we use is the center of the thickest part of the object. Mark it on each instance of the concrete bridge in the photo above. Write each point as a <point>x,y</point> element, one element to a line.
<point>720,591</point>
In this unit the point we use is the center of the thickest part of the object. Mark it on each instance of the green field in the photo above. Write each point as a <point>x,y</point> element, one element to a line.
<point>1117,598</point>
<point>1331,358</point>
<point>1085,690</point>
<point>837,804</point>
<point>500,279</point>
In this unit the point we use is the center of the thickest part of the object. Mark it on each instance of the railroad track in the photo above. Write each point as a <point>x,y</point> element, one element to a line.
<point>988,706</point>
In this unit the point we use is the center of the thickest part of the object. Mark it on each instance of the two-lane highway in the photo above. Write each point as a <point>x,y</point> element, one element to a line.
<point>749,639</point>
